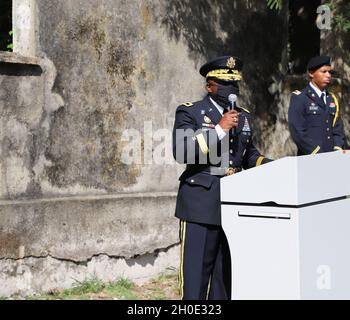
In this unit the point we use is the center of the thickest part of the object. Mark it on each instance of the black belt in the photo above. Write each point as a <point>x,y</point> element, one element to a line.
<point>216,171</point>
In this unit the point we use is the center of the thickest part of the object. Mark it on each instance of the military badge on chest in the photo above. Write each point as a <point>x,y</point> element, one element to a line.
<point>246,127</point>
<point>207,123</point>
<point>332,108</point>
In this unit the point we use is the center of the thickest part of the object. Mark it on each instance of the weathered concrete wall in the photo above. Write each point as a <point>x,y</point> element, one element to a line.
<point>77,229</point>
<point>121,64</point>
<point>126,65</point>
<point>69,201</point>
<point>33,275</point>
<point>116,71</point>
<point>54,242</point>
<point>21,105</point>
<point>254,33</point>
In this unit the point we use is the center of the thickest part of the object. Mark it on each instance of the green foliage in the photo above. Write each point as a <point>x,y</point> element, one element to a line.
<point>123,289</point>
<point>5,24</point>
<point>163,287</point>
<point>125,283</point>
<point>10,45</point>
<point>275,4</point>
<point>341,15</point>
<point>339,8</point>
<point>88,289</point>
<point>87,286</point>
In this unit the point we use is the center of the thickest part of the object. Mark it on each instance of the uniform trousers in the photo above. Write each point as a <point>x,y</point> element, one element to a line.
<point>205,270</point>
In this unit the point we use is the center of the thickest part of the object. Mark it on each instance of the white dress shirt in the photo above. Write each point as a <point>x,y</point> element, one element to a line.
<point>319,92</point>
<point>221,133</point>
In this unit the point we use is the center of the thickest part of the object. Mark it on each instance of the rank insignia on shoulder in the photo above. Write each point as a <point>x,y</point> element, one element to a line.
<point>244,109</point>
<point>187,104</point>
<point>297,92</point>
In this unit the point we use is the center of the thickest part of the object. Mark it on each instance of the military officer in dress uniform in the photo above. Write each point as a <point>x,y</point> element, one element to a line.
<point>314,118</point>
<point>213,137</point>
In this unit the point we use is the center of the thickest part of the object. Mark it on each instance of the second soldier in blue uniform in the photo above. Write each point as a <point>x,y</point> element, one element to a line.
<point>314,116</point>
<point>214,142</point>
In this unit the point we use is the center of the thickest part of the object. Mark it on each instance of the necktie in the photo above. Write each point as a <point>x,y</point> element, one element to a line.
<point>323,97</point>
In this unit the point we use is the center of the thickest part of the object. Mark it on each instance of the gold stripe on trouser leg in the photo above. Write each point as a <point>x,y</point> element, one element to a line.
<point>183,238</point>
<point>208,289</point>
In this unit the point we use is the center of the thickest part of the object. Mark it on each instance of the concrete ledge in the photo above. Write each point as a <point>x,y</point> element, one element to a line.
<point>12,57</point>
<point>79,228</point>
<point>48,242</point>
<point>138,195</point>
<point>37,275</point>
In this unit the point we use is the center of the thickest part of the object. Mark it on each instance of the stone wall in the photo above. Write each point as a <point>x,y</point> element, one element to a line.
<point>126,66</point>
<point>110,76</point>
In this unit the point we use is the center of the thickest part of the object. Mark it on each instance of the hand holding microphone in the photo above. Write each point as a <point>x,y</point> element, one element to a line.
<point>230,118</point>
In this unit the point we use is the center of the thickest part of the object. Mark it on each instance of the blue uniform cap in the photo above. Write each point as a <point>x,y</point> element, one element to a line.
<point>318,62</point>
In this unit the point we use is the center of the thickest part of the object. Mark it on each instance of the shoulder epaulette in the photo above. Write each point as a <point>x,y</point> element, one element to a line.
<point>187,104</point>
<point>297,92</point>
<point>244,109</point>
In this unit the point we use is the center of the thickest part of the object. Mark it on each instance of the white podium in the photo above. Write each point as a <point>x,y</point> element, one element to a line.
<point>288,228</point>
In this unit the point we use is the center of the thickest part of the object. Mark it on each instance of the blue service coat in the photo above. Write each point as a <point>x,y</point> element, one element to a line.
<point>315,127</point>
<point>196,143</point>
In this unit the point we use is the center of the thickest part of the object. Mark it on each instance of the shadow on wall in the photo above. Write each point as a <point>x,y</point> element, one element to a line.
<point>20,70</point>
<point>247,29</point>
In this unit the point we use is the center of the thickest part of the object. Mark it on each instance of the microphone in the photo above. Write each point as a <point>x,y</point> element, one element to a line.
<point>232,98</point>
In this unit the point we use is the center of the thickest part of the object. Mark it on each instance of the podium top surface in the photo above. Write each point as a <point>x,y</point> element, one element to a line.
<point>291,180</point>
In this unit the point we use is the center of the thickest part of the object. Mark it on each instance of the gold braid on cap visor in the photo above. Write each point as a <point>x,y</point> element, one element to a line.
<point>225,74</point>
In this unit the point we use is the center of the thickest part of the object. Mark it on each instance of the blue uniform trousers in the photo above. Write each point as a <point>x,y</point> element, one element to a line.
<point>205,271</point>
